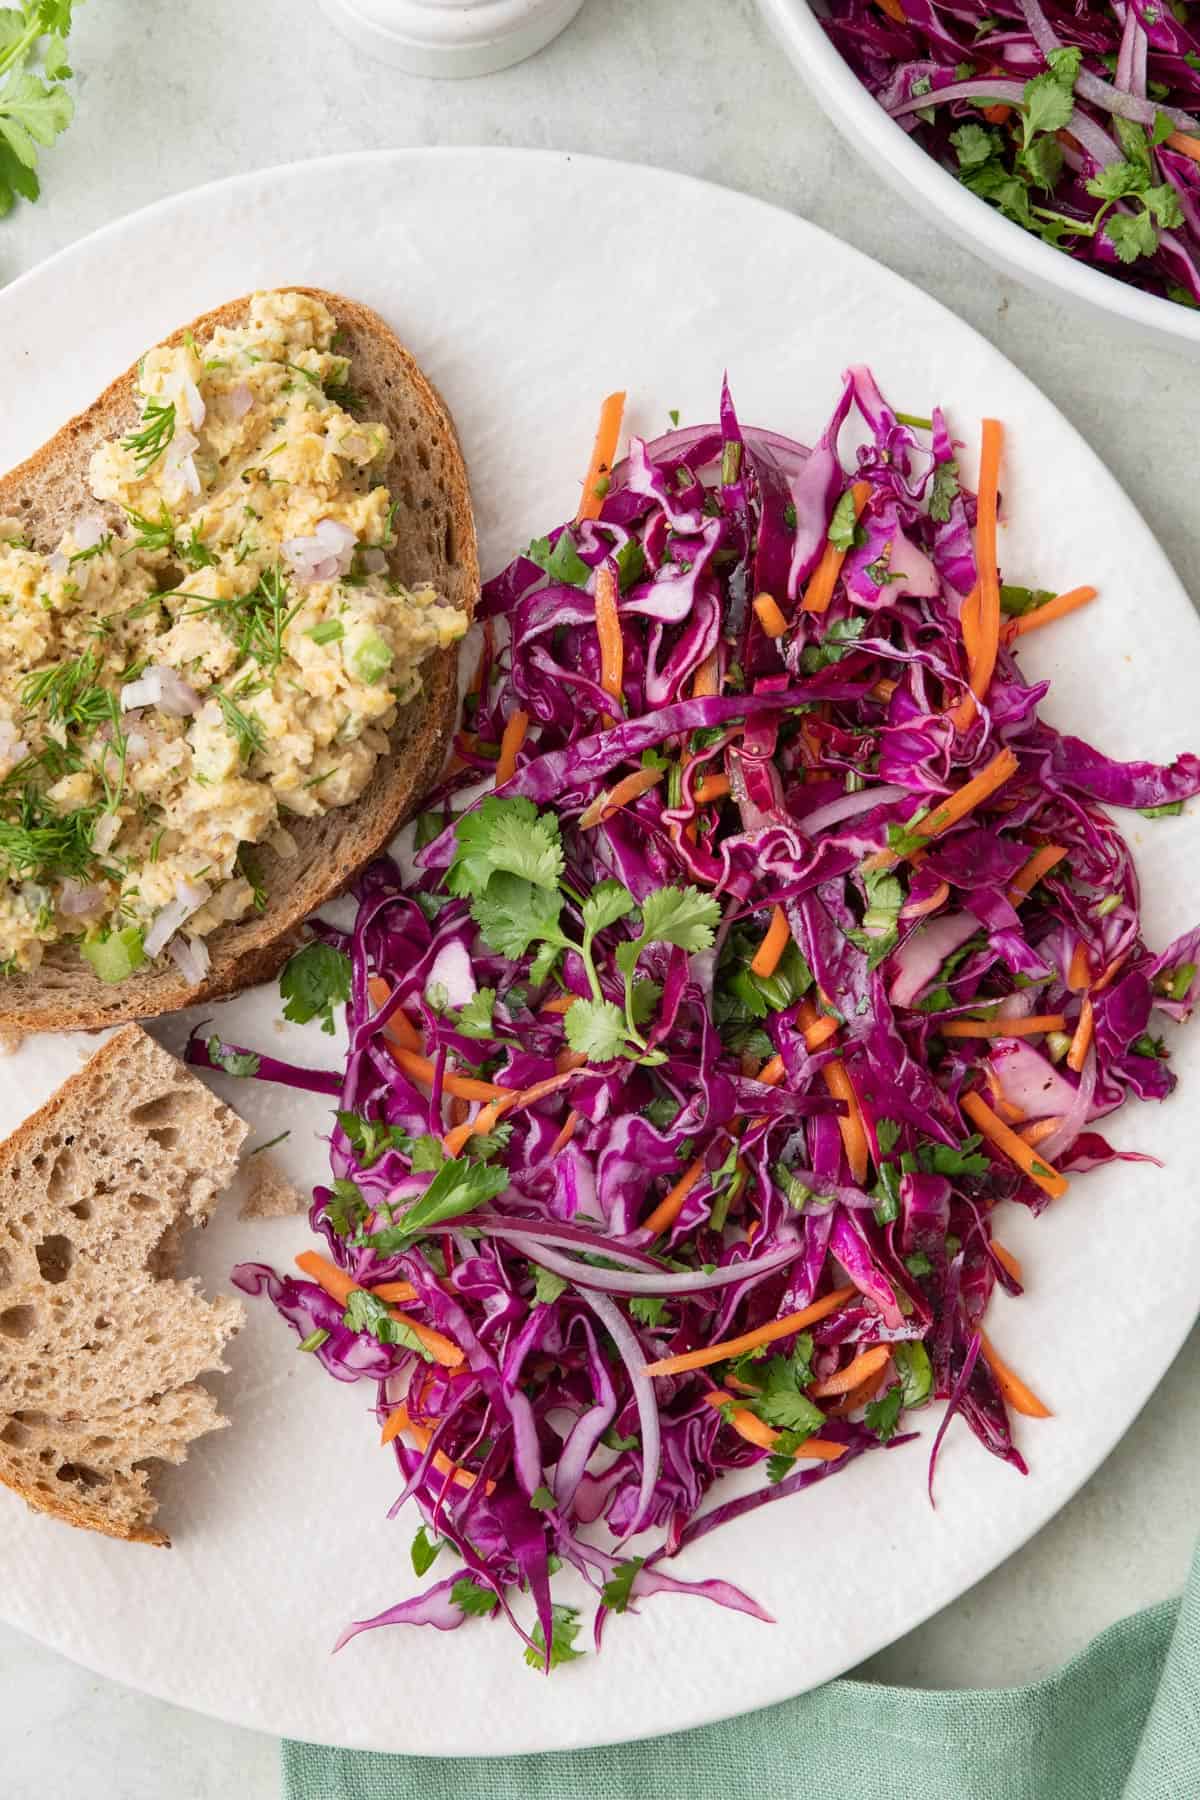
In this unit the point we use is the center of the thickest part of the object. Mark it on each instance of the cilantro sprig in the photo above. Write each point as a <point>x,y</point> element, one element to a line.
<point>35,107</point>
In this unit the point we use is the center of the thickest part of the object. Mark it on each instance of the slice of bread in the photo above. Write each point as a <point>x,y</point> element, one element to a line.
<point>435,542</point>
<point>99,1346</point>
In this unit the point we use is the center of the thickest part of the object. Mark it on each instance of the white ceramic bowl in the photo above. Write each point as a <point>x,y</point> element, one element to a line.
<point>920,179</point>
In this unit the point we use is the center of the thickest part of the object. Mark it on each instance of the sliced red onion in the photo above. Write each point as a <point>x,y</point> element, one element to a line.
<point>630,1352</point>
<point>179,465</point>
<point>324,556</point>
<point>339,540</point>
<point>58,562</point>
<point>194,402</point>
<point>188,899</point>
<point>75,902</point>
<point>240,400</point>
<point>191,958</point>
<point>163,687</point>
<point>106,831</point>
<point>374,560</point>
<point>136,745</point>
<point>615,1281</point>
<point>452,971</point>
<point>921,956</point>
<point>1076,1115</point>
<point>554,1231</point>
<point>848,806</point>
<point>13,746</point>
<point>87,531</point>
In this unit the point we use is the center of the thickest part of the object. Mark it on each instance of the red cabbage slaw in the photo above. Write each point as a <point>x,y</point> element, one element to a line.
<point>1081,124</point>
<point>723,1016</point>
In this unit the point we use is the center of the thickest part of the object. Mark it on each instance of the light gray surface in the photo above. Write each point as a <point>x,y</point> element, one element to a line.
<point>168,99</point>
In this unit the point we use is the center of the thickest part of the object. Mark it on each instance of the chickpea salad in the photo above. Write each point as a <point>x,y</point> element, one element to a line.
<point>176,688</point>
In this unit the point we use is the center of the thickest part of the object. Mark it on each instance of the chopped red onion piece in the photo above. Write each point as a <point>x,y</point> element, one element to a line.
<point>188,899</point>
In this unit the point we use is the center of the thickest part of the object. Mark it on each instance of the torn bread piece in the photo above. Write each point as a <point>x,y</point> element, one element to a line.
<point>269,1192</point>
<point>100,1346</point>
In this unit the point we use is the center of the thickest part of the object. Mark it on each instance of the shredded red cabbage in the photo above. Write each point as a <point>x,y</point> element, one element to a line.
<point>1081,124</point>
<point>699,1149</point>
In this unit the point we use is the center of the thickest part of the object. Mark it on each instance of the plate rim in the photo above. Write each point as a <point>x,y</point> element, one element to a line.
<point>1180,612</point>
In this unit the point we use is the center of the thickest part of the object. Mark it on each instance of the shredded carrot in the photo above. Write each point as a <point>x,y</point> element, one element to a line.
<point>395,1291</point>
<point>566,1060</point>
<point>982,664</point>
<point>987,1028</point>
<point>772,620</point>
<point>1005,1139</point>
<point>1022,1399</point>
<point>711,787</point>
<point>750,1340</point>
<point>939,896</point>
<point>837,1080</point>
<point>1113,970</point>
<point>629,788</point>
<point>561,1003</point>
<point>1038,1132</point>
<point>968,620</point>
<point>604,453</point>
<point>338,1285</point>
<point>884,689</point>
<point>858,1396</point>
<point>894,10</point>
<point>420,1068</point>
<point>824,577</point>
<point>954,807</point>
<point>1079,972</point>
<point>865,1364</point>
<point>1005,1108</point>
<point>819,1032</point>
<point>669,1208</point>
<point>1058,608</point>
<point>489,1116</point>
<point>1185,144</point>
<point>1081,1043</point>
<point>396,1422</point>
<point>772,1072</point>
<point>706,682</point>
<point>1007,1260</point>
<point>566,1134</point>
<point>752,1428</point>
<point>1030,873</point>
<point>515,730</point>
<point>1000,113</point>
<point>767,957</point>
<point>399,1027</point>
<point>608,632</point>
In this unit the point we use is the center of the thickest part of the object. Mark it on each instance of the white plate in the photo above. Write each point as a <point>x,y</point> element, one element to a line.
<point>529,285</point>
<point>920,178</point>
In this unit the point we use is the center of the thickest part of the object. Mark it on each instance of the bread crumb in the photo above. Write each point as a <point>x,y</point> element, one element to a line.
<point>269,1193</point>
<point>10,1040</point>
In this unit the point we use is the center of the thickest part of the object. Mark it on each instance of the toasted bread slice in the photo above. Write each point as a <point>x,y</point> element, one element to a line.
<point>99,1347</point>
<point>435,535</point>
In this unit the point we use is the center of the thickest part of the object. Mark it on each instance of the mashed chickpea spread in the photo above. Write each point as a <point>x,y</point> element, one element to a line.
<point>173,690</point>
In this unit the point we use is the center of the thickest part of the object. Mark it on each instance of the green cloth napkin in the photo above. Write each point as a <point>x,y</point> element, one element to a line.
<point>1121,1721</point>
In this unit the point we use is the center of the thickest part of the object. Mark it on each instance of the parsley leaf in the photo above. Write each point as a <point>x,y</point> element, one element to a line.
<point>941,1159</point>
<point>372,1138</point>
<point>475,1018</point>
<point>843,529</point>
<point>618,1589</point>
<point>514,913</point>
<point>561,561</point>
<point>234,1062</point>
<point>547,1286</point>
<point>471,1597</point>
<point>564,1630</point>
<point>345,1209</point>
<point>943,491</point>
<point>313,982</point>
<point>833,646</point>
<point>368,1314</point>
<point>648,1309</point>
<point>427,1154</point>
<point>457,1188</point>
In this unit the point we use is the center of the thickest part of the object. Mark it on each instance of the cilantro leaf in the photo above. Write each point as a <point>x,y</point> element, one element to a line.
<point>596,1028</point>
<point>369,1314</point>
<point>1015,602</point>
<point>833,645</point>
<point>644,997</point>
<point>313,982</point>
<point>648,1309</point>
<point>887,1135</point>
<point>607,902</point>
<point>507,836</point>
<point>427,1154</point>
<point>475,1018</point>
<point>782,1461</point>
<point>1048,104</point>
<point>683,917</point>
<point>974,147</point>
<point>234,1062</point>
<point>513,913</point>
<point>883,1415</point>
<point>942,1159</point>
<point>425,1551</point>
<point>471,1597</point>
<point>345,1209</point>
<point>843,526</point>
<point>915,1372</point>
<point>542,1500</point>
<point>561,560</point>
<point>618,1589</point>
<point>564,1630</point>
<point>457,1188</point>
<point>372,1138</point>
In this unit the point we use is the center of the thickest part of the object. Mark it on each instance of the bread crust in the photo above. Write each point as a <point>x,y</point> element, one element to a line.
<point>435,541</point>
